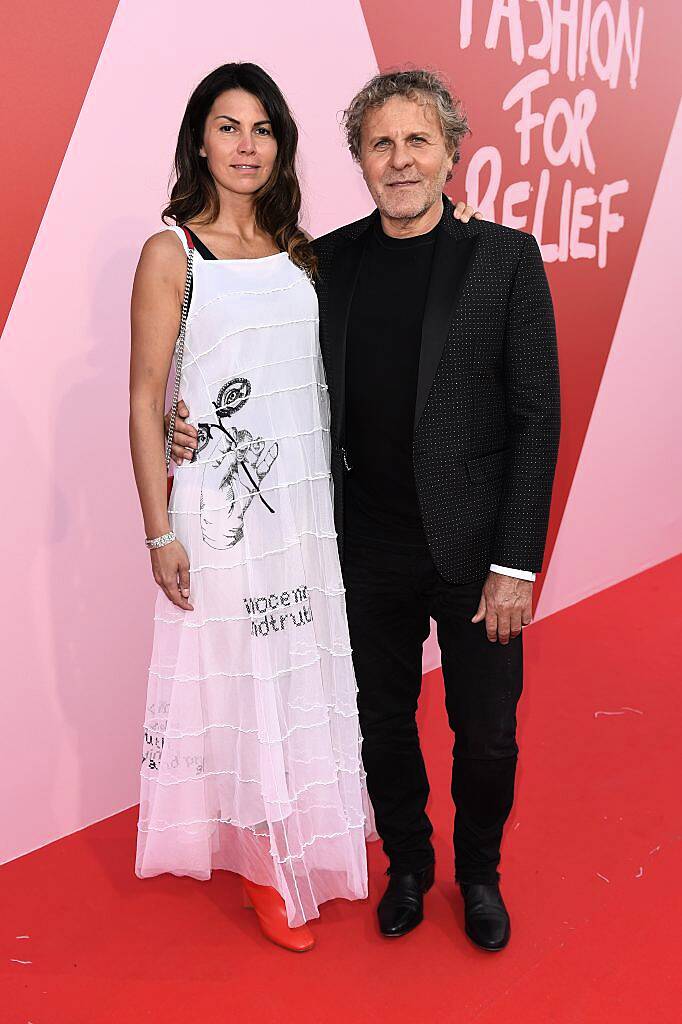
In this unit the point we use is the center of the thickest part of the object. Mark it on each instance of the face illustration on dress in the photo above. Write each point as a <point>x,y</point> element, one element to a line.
<point>233,475</point>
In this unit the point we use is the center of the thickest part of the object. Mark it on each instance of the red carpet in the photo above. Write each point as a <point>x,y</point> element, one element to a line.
<point>591,868</point>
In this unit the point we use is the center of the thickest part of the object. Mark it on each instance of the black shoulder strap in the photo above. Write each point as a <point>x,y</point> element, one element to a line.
<point>203,251</point>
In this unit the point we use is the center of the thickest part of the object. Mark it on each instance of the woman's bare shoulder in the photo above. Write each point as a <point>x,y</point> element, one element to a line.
<point>162,258</point>
<point>164,247</point>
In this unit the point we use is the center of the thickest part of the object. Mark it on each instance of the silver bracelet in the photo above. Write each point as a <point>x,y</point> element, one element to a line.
<point>160,542</point>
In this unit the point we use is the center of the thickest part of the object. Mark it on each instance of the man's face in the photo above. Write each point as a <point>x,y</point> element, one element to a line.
<point>404,157</point>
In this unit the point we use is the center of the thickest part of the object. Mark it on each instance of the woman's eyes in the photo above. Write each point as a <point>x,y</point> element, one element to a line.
<point>259,131</point>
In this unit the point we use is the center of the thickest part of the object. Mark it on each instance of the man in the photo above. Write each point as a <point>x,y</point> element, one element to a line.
<point>439,347</point>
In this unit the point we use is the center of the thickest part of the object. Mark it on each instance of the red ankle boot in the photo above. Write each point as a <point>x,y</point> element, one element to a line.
<point>272,918</point>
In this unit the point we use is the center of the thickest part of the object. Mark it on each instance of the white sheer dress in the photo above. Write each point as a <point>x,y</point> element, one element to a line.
<point>251,754</point>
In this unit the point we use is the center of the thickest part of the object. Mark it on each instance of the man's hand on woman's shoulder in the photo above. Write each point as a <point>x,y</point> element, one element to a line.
<point>465,213</point>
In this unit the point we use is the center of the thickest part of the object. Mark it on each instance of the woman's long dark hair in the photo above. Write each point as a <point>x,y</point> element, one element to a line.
<point>277,203</point>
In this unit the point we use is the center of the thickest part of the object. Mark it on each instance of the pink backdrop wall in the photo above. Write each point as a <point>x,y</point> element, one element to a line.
<point>80,600</point>
<point>77,608</point>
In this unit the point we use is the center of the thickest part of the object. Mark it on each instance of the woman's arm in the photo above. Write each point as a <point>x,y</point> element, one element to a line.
<point>155,319</point>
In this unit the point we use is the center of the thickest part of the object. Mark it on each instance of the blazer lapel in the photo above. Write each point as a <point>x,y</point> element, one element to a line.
<point>451,263</point>
<point>342,280</point>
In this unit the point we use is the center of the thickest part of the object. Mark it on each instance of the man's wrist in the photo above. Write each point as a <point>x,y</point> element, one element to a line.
<point>519,574</point>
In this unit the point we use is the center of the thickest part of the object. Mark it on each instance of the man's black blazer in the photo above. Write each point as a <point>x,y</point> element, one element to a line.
<point>487,416</point>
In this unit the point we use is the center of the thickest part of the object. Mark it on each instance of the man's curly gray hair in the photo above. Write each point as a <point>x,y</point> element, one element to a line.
<point>418,84</point>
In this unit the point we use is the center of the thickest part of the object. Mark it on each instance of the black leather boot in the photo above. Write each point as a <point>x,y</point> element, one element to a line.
<point>486,920</point>
<point>402,906</point>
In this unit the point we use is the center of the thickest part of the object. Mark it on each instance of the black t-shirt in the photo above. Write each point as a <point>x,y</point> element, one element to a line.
<point>382,365</point>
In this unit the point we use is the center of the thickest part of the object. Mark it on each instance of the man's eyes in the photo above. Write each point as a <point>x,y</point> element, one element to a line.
<point>382,143</point>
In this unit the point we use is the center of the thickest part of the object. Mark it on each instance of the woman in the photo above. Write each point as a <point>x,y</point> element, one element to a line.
<point>251,759</point>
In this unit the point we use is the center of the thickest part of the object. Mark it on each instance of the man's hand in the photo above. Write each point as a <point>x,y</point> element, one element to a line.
<point>185,439</point>
<point>506,606</point>
<point>465,213</point>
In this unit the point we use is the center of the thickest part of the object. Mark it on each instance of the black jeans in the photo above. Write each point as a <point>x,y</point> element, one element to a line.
<point>390,597</point>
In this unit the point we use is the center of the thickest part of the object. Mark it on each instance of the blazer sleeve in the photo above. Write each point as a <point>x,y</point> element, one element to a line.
<point>531,384</point>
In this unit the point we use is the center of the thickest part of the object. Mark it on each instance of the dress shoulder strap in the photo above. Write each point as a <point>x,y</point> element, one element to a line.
<point>184,236</point>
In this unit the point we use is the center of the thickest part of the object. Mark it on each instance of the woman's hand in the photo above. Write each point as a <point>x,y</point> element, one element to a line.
<point>465,213</point>
<point>170,566</point>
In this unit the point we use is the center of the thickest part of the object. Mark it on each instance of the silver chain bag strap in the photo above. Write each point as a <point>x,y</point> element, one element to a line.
<point>180,346</point>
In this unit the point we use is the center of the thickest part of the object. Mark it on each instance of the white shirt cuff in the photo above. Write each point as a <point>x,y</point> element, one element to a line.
<point>519,574</point>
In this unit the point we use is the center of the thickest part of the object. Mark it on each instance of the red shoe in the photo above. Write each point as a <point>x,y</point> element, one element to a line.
<point>272,918</point>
